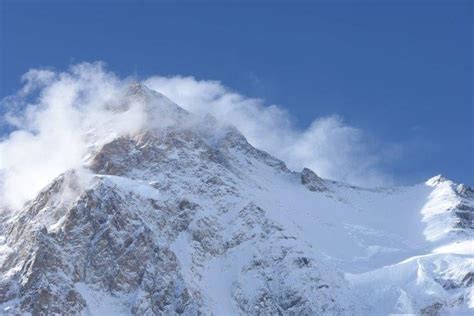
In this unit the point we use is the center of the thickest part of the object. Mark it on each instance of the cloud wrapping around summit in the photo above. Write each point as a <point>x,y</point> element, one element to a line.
<point>330,147</point>
<point>58,117</point>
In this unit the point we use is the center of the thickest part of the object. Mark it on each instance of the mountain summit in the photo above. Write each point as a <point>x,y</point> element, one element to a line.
<point>185,216</point>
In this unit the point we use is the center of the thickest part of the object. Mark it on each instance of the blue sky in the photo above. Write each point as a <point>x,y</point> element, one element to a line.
<point>401,71</point>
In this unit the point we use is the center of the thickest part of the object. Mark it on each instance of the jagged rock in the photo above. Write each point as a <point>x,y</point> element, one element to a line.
<point>312,181</point>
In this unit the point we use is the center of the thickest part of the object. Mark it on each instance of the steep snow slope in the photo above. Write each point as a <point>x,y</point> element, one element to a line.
<point>189,218</point>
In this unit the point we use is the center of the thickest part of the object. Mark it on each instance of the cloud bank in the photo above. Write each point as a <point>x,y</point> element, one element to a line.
<point>58,118</point>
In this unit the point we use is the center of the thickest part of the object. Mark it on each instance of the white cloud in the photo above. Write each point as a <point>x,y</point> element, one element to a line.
<point>59,116</point>
<point>53,133</point>
<point>330,147</point>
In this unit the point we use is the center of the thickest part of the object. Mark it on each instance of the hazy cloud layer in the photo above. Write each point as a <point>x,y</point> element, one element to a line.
<point>59,117</point>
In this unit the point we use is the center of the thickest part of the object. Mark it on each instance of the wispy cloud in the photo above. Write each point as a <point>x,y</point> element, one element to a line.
<point>59,117</point>
<point>329,146</point>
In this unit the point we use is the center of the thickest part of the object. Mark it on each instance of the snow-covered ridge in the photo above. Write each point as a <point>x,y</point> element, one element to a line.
<point>189,218</point>
<point>449,210</point>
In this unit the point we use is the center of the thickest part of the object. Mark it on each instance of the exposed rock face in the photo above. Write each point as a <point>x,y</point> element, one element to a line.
<point>312,181</point>
<point>465,209</point>
<point>190,219</point>
<point>104,241</point>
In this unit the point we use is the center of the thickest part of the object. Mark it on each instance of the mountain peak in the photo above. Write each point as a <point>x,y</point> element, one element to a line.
<point>434,181</point>
<point>186,217</point>
<point>136,88</point>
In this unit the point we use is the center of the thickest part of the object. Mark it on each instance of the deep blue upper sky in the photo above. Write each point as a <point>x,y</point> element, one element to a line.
<point>401,70</point>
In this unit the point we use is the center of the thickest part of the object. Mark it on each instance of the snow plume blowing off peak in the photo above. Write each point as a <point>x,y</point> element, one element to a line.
<point>57,119</point>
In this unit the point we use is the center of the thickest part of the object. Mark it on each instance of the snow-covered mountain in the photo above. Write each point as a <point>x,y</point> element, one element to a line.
<point>189,218</point>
